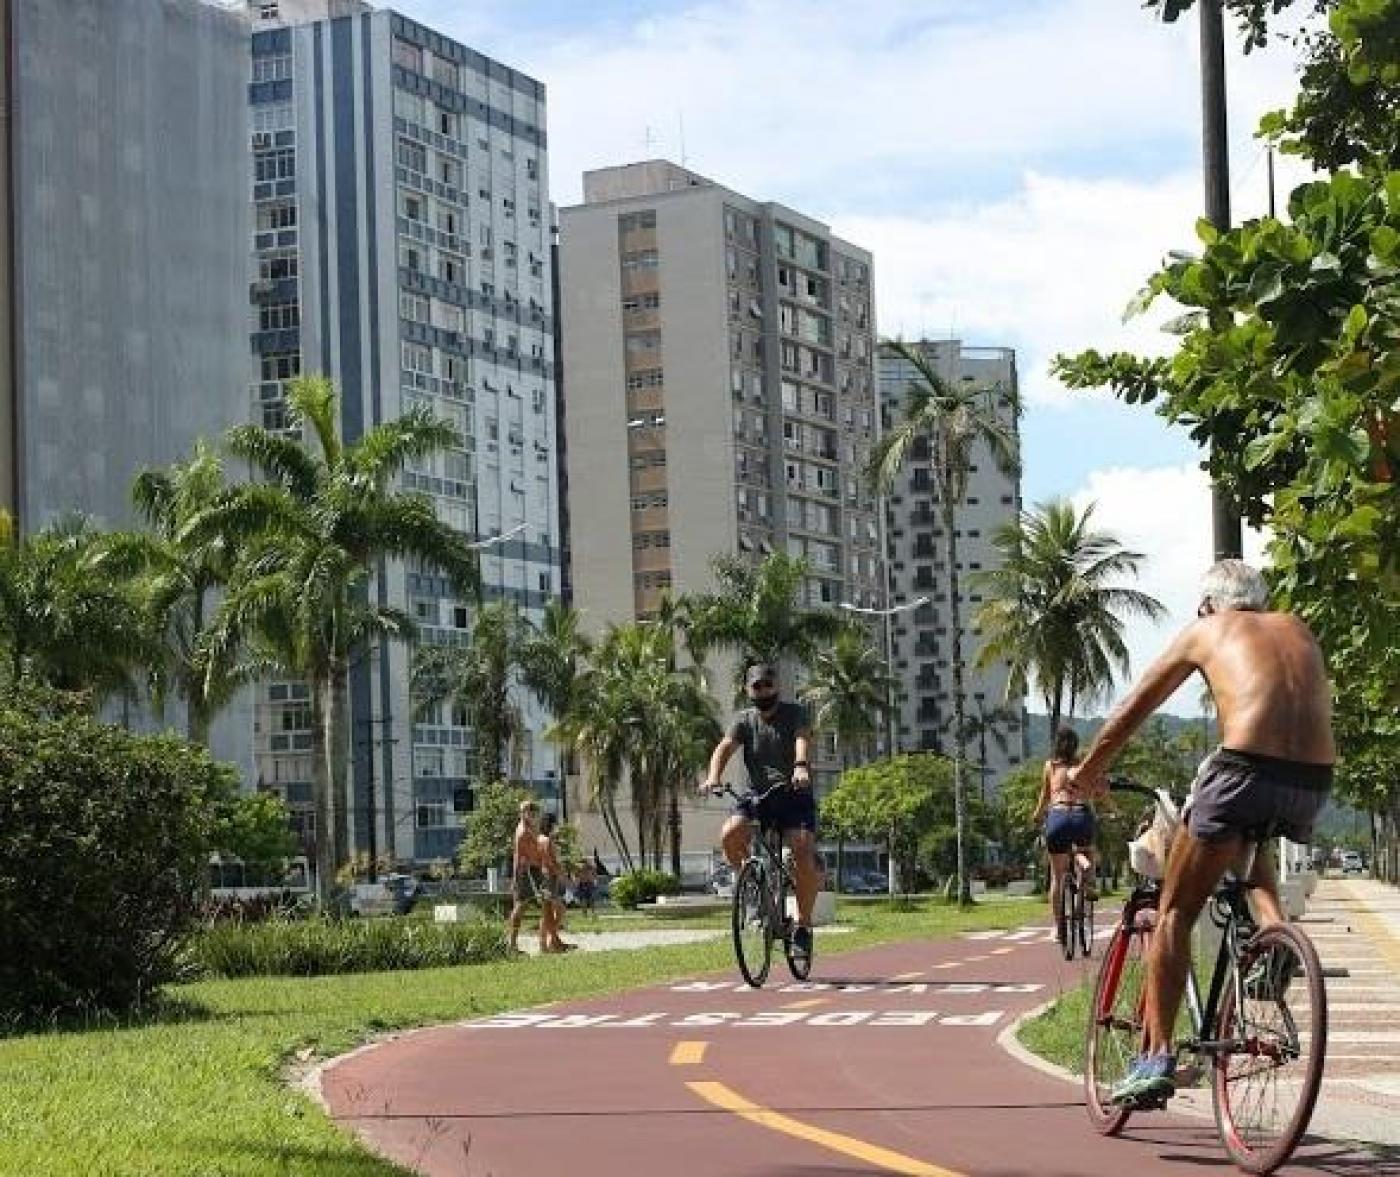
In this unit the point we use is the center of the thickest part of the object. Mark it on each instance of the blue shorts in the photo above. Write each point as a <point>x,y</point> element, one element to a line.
<point>1066,828</point>
<point>786,809</point>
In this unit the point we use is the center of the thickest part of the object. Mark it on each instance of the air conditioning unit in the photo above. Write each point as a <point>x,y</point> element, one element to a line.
<point>261,139</point>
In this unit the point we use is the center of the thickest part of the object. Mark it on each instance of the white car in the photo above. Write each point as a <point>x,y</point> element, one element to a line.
<point>1352,863</point>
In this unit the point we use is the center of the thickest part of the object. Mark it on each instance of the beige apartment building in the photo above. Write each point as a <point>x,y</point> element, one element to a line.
<point>719,360</point>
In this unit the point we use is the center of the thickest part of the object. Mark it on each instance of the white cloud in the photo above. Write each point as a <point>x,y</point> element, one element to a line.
<point>1049,268</point>
<point>1163,512</point>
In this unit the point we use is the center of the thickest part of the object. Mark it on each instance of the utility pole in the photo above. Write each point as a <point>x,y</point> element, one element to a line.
<point>1225,522</point>
<point>371,813</point>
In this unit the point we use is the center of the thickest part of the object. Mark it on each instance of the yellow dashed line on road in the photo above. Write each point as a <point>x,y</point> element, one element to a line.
<point>1002,951</point>
<point>975,959</point>
<point>808,1003</point>
<point>907,977</point>
<point>872,1154</point>
<point>688,1054</point>
<point>952,964</point>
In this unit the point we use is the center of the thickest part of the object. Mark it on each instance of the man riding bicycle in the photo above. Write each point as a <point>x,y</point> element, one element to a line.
<point>776,740</point>
<point>1272,773</point>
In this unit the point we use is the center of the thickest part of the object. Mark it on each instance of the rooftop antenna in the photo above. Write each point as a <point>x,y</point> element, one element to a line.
<point>680,123</point>
<point>649,141</point>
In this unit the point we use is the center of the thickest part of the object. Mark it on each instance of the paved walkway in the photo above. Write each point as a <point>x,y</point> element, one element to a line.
<point>888,1062</point>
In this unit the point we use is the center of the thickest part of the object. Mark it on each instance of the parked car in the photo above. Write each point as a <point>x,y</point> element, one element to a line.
<point>1353,863</point>
<point>864,882</point>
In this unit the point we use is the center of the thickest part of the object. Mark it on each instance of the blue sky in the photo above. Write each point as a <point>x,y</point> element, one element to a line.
<point>1018,168</point>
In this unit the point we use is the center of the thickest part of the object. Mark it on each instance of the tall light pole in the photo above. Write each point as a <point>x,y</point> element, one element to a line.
<point>1215,152</point>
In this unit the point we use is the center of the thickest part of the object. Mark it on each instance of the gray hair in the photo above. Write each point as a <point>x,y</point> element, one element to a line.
<point>1233,584</point>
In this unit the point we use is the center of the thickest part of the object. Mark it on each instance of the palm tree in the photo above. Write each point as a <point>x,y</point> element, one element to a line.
<point>553,661</point>
<point>993,725</point>
<point>1054,614</point>
<point>179,575</point>
<point>955,420</point>
<point>308,537</point>
<point>65,619</point>
<point>847,691</point>
<point>479,678</point>
<point>757,614</point>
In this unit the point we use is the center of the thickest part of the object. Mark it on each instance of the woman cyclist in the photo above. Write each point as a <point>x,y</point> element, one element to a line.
<point>1069,820</point>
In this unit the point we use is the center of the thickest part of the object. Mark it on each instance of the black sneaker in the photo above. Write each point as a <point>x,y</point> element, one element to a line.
<point>802,941</point>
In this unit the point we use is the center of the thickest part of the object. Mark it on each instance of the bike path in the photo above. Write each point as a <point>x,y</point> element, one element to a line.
<point>886,1062</point>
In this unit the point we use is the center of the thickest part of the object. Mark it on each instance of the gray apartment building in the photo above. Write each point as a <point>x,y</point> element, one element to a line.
<point>122,300</point>
<point>918,568</point>
<point>719,358</point>
<point>401,245</point>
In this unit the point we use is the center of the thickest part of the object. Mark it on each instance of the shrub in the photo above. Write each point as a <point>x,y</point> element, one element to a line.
<point>642,886</point>
<point>104,837</point>
<point>317,947</point>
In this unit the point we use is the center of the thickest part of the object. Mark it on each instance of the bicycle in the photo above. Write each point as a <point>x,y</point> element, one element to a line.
<point>758,915</point>
<point>1261,1031</point>
<point>1074,916</point>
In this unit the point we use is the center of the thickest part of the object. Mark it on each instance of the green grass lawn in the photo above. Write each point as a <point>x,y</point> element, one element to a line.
<point>200,1091</point>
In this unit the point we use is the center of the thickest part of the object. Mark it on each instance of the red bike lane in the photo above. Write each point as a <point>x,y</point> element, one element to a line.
<point>887,1061</point>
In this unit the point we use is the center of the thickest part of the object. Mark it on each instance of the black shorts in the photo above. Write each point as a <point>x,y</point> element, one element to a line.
<point>529,884</point>
<point>1243,793</point>
<point>1068,826</point>
<point>785,809</point>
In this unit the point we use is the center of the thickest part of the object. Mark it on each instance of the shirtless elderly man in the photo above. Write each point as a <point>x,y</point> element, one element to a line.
<point>1273,769</point>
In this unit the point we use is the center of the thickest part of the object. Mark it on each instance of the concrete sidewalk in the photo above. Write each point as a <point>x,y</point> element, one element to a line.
<point>1355,924</point>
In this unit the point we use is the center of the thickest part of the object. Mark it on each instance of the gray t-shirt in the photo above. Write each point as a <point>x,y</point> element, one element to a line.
<point>770,745</point>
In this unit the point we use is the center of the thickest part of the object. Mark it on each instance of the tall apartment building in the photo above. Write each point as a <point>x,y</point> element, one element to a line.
<point>123,170</point>
<point>719,353</point>
<point>402,247</point>
<point>918,568</point>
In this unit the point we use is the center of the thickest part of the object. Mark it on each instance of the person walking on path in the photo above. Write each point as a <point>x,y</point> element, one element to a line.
<point>528,883</point>
<point>1273,771</point>
<point>551,901</point>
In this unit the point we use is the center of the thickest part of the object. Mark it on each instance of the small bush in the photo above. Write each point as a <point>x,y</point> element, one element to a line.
<point>642,886</point>
<point>250,910</point>
<point>319,947</point>
<point>104,839</point>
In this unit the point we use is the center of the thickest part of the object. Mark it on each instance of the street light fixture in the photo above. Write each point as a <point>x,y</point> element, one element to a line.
<point>493,540</point>
<point>890,612</point>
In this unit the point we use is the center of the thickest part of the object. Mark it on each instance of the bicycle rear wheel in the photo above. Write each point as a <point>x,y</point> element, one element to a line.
<point>752,923</point>
<point>1115,1030</point>
<point>1265,1081</point>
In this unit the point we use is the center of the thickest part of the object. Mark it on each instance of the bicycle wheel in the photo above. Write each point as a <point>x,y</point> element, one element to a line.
<point>1084,922</point>
<point>752,923</point>
<point>1115,1031</point>
<point>800,963</point>
<point>1265,1080</point>
<point>1064,917</point>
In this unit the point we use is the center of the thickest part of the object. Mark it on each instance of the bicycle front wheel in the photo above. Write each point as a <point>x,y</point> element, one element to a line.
<point>1115,1030</point>
<point>1272,1028</point>
<point>1084,921</point>
<point>1065,917</point>
<point>752,923</point>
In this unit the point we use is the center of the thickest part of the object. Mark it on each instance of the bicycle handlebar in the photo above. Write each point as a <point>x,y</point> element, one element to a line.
<point>756,798</point>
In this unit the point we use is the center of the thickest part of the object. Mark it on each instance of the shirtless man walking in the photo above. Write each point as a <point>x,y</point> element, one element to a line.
<point>1274,769</point>
<point>528,883</point>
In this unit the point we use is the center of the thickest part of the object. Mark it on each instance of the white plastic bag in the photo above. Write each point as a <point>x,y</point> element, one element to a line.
<point>1147,853</point>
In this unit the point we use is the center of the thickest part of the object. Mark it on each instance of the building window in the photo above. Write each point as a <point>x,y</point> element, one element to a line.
<point>279,316</point>
<point>272,69</point>
<point>274,165</point>
<point>276,216</point>
<point>281,365</point>
<point>413,156</point>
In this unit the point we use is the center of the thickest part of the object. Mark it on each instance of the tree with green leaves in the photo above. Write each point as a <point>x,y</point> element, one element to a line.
<point>995,725</point>
<point>848,690</point>
<point>757,614</point>
<point>253,827</point>
<point>1287,369</point>
<point>894,801</point>
<point>479,678</point>
<point>323,519</point>
<point>179,574</point>
<point>553,657</point>
<point>958,422</point>
<point>1055,606</point>
<point>65,619</point>
<point>490,828</point>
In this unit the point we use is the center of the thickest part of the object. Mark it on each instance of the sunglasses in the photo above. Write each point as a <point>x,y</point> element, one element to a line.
<point>763,684</point>
<point>1205,608</point>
